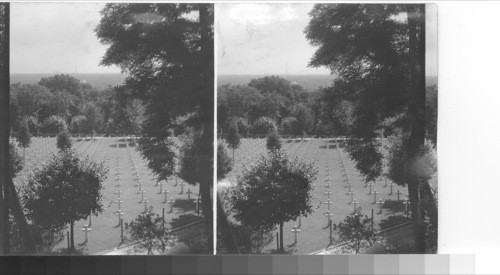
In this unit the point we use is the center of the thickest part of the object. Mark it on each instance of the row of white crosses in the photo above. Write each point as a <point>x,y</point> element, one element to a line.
<point>328,193</point>
<point>88,227</point>
<point>296,229</point>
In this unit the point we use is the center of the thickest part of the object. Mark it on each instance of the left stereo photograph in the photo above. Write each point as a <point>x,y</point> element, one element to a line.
<point>110,118</point>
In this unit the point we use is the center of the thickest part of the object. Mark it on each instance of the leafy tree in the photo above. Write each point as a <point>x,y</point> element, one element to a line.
<point>147,230</point>
<point>225,232</point>
<point>304,118</point>
<point>53,124</point>
<point>224,163</point>
<point>93,118</point>
<point>355,232</point>
<point>33,124</point>
<point>15,161</point>
<point>289,126</point>
<point>65,83</point>
<point>233,137</point>
<point>135,114</point>
<point>263,126</point>
<point>28,99</point>
<point>250,242</point>
<point>24,136</point>
<point>273,141</point>
<point>274,191</point>
<point>239,99</point>
<point>160,154</point>
<point>167,52</point>
<point>378,53</point>
<point>63,141</point>
<point>65,190</point>
<point>77,124</point>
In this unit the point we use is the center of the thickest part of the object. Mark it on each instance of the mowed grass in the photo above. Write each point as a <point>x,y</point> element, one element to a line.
<point>326,158</point>
<point>120,158</point>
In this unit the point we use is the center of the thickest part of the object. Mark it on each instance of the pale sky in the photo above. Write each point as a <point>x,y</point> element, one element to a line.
<point>56,38</point>
<point>263,39</point>
<point>252,39</point>
<point>270,39</point>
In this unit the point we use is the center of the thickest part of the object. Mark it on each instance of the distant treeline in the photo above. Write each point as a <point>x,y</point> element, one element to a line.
<point>63,102</point>
<point>273,103</point>
<point>98,81</point>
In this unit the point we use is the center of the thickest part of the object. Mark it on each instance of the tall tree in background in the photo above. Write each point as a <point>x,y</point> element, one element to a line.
<point>378,53</point>
<point>167,52</point>
<point>233,137</point>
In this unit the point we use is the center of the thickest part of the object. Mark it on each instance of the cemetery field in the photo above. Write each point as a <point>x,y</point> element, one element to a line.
<point>335,171</point>
<point>128,186</point>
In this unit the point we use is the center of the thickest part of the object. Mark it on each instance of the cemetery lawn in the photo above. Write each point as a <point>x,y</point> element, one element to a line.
<point>120,156</point>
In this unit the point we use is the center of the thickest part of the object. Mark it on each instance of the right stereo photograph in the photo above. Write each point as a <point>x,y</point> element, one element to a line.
<point>326,128</point>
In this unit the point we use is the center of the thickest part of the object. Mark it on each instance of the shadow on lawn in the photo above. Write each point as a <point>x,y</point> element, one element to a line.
<point>394,206</point>
<point>185,205</point>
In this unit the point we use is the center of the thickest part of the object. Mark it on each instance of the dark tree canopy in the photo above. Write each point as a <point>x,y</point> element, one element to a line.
<point>65,190</point>
<point>24,135</point>
<point>377,52</point>
<point>15,161</point>
<point>233,137</point>
<point>224,163</point>
<point>147,230</point>
<point>273,141</point>
<point>274,191</point>
<point>63,141</point>
<point>355,232</point>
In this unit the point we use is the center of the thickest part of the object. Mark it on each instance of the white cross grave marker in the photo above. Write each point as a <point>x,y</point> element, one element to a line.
<point>86,229</point>
<point>375,196</point>
<point>295,230</point>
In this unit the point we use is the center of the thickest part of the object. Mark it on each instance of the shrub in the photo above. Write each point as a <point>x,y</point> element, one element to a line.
<point>54,124</point>
<point>77,124</point>
<point>263,126</point>
<point>33,123</point>
<point>63,141</point>
<point>289,126</point>
<point>273,141</point>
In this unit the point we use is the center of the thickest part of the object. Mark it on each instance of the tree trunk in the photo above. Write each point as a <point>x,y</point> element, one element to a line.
<point>225,229</point>
<point>206,208</point>
<point>6,221</point>
<point>17,211</point>
<point>233,154</point>
<point>72,237</point>
<point>430,204</point>
<point>206,112</point>
<point>281,237</point>
<point>416,141</point>
<point>4,129</point>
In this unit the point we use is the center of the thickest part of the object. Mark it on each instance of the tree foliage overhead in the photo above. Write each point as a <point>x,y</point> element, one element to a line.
<point>166,49</point>
<point>367,47</point>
